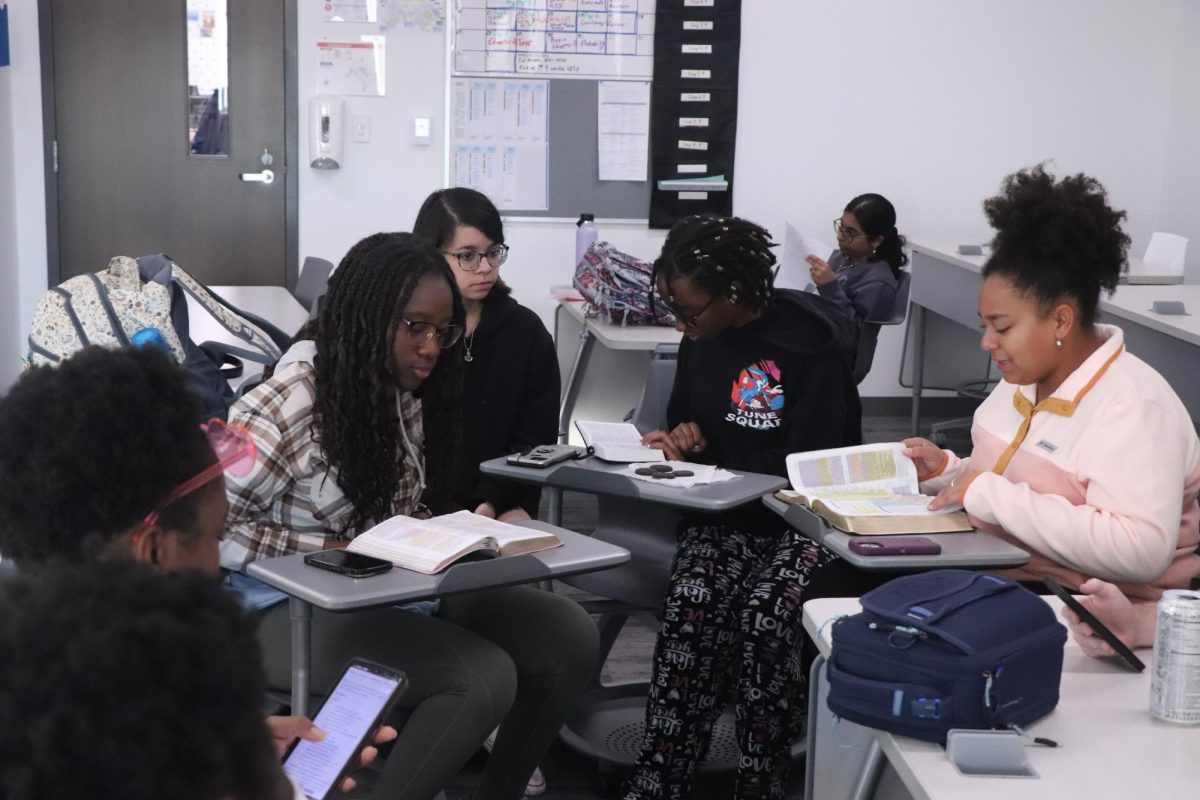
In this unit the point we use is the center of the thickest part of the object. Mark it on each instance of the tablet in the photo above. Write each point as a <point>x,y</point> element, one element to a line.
<point>1098,627</point>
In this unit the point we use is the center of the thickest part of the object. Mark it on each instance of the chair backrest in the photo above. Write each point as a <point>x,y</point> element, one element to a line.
<point>314,277</point>
<point>650,414</point>
<point>1165,253</point>
<point>868,336</point>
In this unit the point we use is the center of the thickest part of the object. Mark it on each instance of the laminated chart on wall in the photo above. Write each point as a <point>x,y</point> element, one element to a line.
<point>352,68</point>
<point>694,110</point>
<point>499,142</point>
<point>554,38</point>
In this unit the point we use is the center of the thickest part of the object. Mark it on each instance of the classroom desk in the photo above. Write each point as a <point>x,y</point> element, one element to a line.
<point>974,549</point>
<point>947,284</point>
<point>311,586</point>
<point>275,304</point>
<point>612,335</point>
<point>1111,745</point>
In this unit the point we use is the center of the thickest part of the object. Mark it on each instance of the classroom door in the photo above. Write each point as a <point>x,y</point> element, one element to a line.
<point>128,111</point>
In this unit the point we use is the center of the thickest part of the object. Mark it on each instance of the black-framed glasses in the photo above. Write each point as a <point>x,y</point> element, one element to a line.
<point>846,231</point>
<point>447,337</point>
<point>469,260</point>
<point>690,320</point>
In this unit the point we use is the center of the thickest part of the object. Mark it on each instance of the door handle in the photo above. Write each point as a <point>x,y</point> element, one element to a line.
<point>266,176</point>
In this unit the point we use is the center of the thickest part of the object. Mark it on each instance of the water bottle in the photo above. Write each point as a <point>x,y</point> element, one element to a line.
<point>585,235</point>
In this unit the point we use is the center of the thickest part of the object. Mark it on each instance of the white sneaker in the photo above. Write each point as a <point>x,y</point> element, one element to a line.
<point>537,781</point>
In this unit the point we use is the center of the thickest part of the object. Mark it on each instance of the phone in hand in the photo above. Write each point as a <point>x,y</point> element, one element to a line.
<point>895,546</point>
<point>355,565</point>
<point>357,704</point>
<point>1098,627</point>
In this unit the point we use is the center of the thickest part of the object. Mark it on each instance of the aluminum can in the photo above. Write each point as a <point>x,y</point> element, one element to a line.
<point>1175,680</point>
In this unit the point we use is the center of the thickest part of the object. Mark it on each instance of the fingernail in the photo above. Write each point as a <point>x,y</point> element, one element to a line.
<point>318,732</point>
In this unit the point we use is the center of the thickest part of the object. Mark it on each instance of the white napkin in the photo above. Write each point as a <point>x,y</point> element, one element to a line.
<point>702,474</point>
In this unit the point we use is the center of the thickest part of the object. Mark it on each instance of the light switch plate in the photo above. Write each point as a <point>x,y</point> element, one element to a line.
<point>360,128</point>
<point>422,130</point>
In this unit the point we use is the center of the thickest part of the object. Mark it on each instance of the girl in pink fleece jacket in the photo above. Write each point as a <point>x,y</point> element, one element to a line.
<point>1083,455</point>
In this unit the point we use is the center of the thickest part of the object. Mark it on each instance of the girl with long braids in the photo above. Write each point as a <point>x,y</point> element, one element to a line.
<point>359,422</point>
<point>862,275</point>
<point>759,376</point>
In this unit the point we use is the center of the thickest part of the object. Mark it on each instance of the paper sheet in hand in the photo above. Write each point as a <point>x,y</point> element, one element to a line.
<point>793,269</point>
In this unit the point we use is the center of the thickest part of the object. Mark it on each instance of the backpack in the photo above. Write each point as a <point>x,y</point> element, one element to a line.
<point>618,286</point>
<point>946,649</point>
<point>137,302</point>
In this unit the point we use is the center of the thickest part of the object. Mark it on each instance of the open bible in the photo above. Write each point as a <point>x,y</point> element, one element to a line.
<point>431,545</point>
<point>870,489</point>
<point>616,441</point>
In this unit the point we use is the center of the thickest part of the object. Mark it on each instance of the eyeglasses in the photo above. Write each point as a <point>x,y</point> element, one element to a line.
<point>235,451</point>
<point>846,231</point>
<point>689,320</point>
<point>468,260</point>
<point>447,337</point>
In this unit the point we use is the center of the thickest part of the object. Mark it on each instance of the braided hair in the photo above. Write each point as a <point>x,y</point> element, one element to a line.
<point>714,253</point>
<point>355,413</point>
<point>1056,238</point>
<point>877,216</point>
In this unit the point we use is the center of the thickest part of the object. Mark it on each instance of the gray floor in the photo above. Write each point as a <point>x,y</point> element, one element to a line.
<point>568,775</point>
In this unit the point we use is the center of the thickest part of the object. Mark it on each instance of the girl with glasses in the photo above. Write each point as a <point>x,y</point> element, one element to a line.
<point>359,422</point>
<point>862,275</point>
<point>759,376</point>
<point>510,367</point>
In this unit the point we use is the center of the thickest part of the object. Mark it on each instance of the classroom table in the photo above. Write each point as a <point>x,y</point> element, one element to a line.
<point>947,284</point>
<point>964,549</point>
<point>1111,747</point>
<point>612,335</point>
<point>275,304</point>
<point>311,586</point>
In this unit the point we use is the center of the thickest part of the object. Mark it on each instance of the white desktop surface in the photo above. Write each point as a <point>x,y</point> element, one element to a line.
<point>616,336</point>
<point>1112,748</point>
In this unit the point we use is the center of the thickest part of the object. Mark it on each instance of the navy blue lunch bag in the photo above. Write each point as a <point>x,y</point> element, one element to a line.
<point>946,649</point>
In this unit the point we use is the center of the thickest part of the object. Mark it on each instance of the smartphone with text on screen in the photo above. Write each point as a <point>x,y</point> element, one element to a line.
<point>356,706</point>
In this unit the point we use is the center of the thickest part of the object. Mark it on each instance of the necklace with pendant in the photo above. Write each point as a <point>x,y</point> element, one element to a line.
<point>467,342</point>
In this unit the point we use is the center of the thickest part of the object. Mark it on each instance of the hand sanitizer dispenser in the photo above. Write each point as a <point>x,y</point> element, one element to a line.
<point>325,133</point>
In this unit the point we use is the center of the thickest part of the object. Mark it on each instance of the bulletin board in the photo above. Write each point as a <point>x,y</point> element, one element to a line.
<point>574,45</point>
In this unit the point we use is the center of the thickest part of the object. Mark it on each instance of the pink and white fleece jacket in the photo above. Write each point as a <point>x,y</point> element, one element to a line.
<point>1098,480</point>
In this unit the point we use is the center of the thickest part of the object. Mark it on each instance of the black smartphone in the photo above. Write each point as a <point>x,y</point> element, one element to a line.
<point>356,565</point>
<point>1098,627</point>
<point>358,703</point>
<point>896,546</point>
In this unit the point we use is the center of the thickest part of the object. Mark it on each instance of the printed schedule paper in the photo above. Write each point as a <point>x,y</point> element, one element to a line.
<point>623,125</point>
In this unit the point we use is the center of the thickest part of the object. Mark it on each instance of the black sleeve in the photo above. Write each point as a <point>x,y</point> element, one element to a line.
<point>826,414</point>
<point>678,407</point>
<point>537,421</point>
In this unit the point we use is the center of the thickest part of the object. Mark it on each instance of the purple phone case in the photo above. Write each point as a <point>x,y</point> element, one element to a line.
<point>895,546</point>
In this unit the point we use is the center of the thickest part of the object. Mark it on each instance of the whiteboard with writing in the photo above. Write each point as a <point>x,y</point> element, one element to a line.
<point>589,39</point>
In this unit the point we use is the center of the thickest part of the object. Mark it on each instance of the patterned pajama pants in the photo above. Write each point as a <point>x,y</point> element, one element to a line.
<point>731,625</point>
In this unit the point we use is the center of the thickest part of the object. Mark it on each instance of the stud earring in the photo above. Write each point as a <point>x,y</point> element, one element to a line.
<point>1057,342</point>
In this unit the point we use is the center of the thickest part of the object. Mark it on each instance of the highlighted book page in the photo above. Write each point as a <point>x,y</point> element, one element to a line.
<point>875,467</point>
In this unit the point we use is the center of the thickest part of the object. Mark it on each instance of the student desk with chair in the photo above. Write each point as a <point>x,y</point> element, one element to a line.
<point>309,586</point>
<point>947,284</point>
<point>961,550</point>
<point>1110,745</point>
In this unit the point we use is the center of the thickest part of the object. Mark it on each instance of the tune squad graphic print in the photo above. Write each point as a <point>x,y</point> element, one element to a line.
<point>757,397</point>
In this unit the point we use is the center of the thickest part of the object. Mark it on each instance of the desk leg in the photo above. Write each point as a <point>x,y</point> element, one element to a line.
<point>301,615</point>
<point>571,389</point>
<point>868,780</point>
<point>554,505</point>
<point>814,707</point>
<point>917,320</point>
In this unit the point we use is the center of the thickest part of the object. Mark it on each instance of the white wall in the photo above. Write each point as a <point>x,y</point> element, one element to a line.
<point>22,190</point>
<point>930,102</point>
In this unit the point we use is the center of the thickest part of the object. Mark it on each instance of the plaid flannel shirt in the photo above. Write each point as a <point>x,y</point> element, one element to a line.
<point>290,502</point>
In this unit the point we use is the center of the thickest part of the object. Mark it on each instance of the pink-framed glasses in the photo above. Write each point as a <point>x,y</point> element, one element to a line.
<point>235,451</point>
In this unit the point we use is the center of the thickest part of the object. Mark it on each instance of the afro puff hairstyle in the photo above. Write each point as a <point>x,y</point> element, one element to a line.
<point>1056,239</point>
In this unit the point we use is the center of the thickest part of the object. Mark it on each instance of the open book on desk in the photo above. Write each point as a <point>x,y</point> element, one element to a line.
<point>431,545</point>
<point>616,441</point>
<point>869,489</point>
